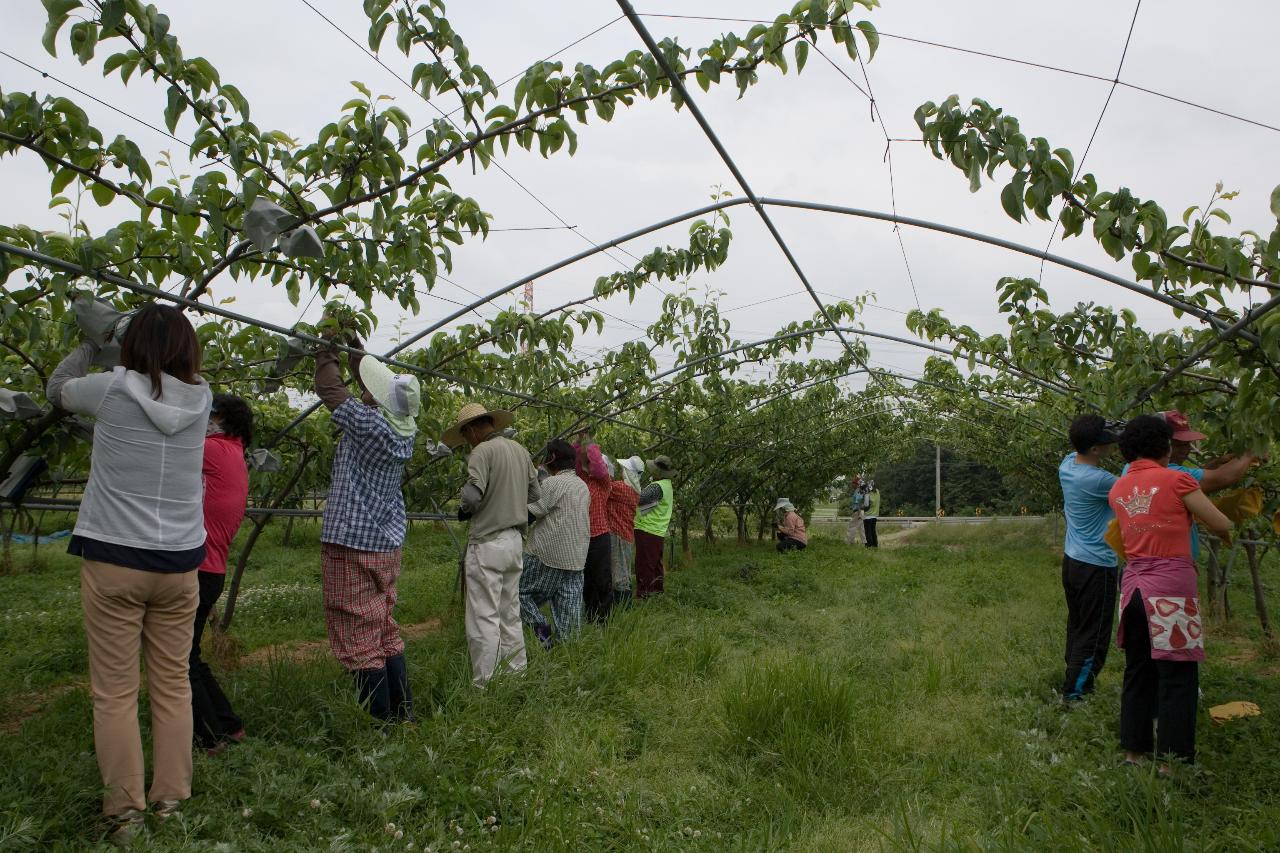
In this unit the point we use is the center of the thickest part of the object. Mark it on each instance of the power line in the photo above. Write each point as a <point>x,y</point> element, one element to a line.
<point>1115,81</point>
<point>1001,58</point>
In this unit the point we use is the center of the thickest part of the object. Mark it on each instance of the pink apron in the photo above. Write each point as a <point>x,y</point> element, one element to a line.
<point>1172,602</point>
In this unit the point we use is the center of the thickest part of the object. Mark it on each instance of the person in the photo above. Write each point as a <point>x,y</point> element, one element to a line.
<point>597,576</point>
<point>789,527</point>
<point>1230,472</point>
<point>140,534</point>
<point>364,525</point>
<point>1160,627</point>
<point>654,509</point>
<point>557,548</point>
<point>1088,563</point>
<point>871,506</point>
<point>857,532</point>
<point>226,491</point>
<point>624,497</point>
<point>501,484</point>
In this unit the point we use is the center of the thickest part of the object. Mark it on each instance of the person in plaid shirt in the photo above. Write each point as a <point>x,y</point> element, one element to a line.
<point>557,549</point>
<point>364,525</point>
<point>597,577</point>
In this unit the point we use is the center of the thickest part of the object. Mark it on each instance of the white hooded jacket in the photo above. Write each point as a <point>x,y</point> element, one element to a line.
<point>145,488</point>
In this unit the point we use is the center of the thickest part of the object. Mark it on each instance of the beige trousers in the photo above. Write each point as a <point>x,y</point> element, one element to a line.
<point>494,634</point>
<point>127,611</point>
<point>856,534</point>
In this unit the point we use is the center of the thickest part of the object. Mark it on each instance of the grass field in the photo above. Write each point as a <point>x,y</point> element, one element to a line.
<point>838,699</point>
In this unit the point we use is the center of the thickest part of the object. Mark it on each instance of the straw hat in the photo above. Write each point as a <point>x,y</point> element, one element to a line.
<point>662,467</point>
<point>471,412</point>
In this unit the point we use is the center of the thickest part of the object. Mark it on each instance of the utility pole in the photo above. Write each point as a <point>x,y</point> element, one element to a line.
<point>937,481</point>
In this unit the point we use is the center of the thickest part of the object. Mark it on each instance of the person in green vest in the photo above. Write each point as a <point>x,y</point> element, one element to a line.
<point>872,515</point>
<point>653,517</point>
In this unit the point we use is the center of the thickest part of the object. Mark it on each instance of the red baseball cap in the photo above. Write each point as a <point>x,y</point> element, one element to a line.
<point>1182,430</point>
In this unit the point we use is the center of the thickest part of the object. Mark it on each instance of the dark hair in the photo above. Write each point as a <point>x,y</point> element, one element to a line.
<point>161,340</point>
<point>1145,437</point>
<point>560,454</point>
<point>235,415</point>
<point>1085,430</point>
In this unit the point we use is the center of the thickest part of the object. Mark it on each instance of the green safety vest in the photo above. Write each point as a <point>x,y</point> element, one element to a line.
<point>656,521</point>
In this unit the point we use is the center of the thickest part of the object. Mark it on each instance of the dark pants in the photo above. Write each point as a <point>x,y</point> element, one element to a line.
<point>597,579</point>
<point>1091,610</point>
<point>786,543</point>
<point>869,527</point>
<point>649,570</point>
<point>212,717</point>
<point>1165,690</point>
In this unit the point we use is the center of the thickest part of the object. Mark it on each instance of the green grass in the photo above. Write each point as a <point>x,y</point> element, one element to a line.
<point>838,699</point>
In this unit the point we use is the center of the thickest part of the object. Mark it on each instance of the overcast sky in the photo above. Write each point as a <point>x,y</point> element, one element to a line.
<point>805,137</point>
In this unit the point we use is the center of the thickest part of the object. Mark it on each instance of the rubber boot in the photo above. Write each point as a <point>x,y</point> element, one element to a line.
<point>398,692</point>
<point>371,689</point>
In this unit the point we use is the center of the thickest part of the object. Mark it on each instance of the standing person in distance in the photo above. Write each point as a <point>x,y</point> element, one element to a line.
<point>226,491</point>
<point>624,497</point>
<point>597,576</point>
<point>364,524</point>
<point>557,548</point>
<point>1088,563</point>
<point>140,533</point>
<point>1230,472</point>
<point>1160,628</point>
<point>654,509</point>
<point>789,527</point>
<point>857,532</point>
<point>872,514</point>
<point>501,484</point>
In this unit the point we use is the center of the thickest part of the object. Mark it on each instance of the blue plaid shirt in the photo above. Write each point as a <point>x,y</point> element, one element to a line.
<point>365,507</point>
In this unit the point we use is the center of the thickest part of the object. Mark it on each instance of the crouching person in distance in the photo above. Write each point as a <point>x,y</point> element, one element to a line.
<point>501,484</point>
<point>789,527</point>
<point>364,525</point>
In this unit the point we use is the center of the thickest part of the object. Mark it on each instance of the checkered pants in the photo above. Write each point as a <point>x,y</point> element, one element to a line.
<point>359,595</point>
<point>540,584</point>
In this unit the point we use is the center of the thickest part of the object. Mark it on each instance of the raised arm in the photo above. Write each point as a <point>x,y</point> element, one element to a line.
<point>1227,474</point>
<point>71,388</point>
<point>1204,511</point>
<point>329,385</point>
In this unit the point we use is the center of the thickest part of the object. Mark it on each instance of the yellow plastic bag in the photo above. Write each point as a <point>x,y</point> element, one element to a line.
<point>1112,537</point>
<point>1240,505</point>
<point>1220,714</point>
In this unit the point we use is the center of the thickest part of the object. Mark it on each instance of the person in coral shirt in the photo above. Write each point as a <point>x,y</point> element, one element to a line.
<point>1160,627</point>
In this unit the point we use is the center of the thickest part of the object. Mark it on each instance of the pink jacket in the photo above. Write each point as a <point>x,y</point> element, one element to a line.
<point>792,527</point>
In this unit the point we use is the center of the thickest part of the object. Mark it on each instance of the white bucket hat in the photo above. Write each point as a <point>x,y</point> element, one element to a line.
<point>399,395</point>
<point>783,503</point>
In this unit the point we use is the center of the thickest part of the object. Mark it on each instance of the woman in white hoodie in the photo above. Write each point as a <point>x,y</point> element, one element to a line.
<point>141,534</point>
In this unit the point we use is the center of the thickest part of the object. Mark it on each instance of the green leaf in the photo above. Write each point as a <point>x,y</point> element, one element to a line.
<point>362,88</point>
<point>1012,202</point>
<point>173,110</point>
<point>802,54</point>
<point>872,37</point>
<point>1275,202</point>
<point>112,14</point>
<point>975,175</point>
<point>102,194</point>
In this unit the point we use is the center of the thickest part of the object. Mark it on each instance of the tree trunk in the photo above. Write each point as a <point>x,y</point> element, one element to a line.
<point>708,532</point>
<point>1214,567</point>
<point>258,526</point>
<point>29,437</point>
<point>740,511</point>
<point>1259,600</point>
<point>684,532</point>
<point>288,532</point>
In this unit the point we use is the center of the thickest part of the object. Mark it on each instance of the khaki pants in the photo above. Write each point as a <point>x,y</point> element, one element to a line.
<point>125,611</point>
<point>494,633</point>
<point>856,534</point>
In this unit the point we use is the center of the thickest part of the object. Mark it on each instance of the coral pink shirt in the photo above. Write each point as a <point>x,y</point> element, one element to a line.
<point>1154,522</point>
<point>226,491</point>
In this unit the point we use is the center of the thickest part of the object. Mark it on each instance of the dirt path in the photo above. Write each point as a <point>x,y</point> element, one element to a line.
<point>20,707</point>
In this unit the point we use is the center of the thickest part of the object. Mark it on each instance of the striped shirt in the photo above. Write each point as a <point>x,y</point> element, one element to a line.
<point>561,529</point>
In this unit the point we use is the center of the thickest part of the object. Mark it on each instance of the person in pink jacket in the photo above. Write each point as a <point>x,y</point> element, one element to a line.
<point>226,491</point>
<point>790,527</point>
